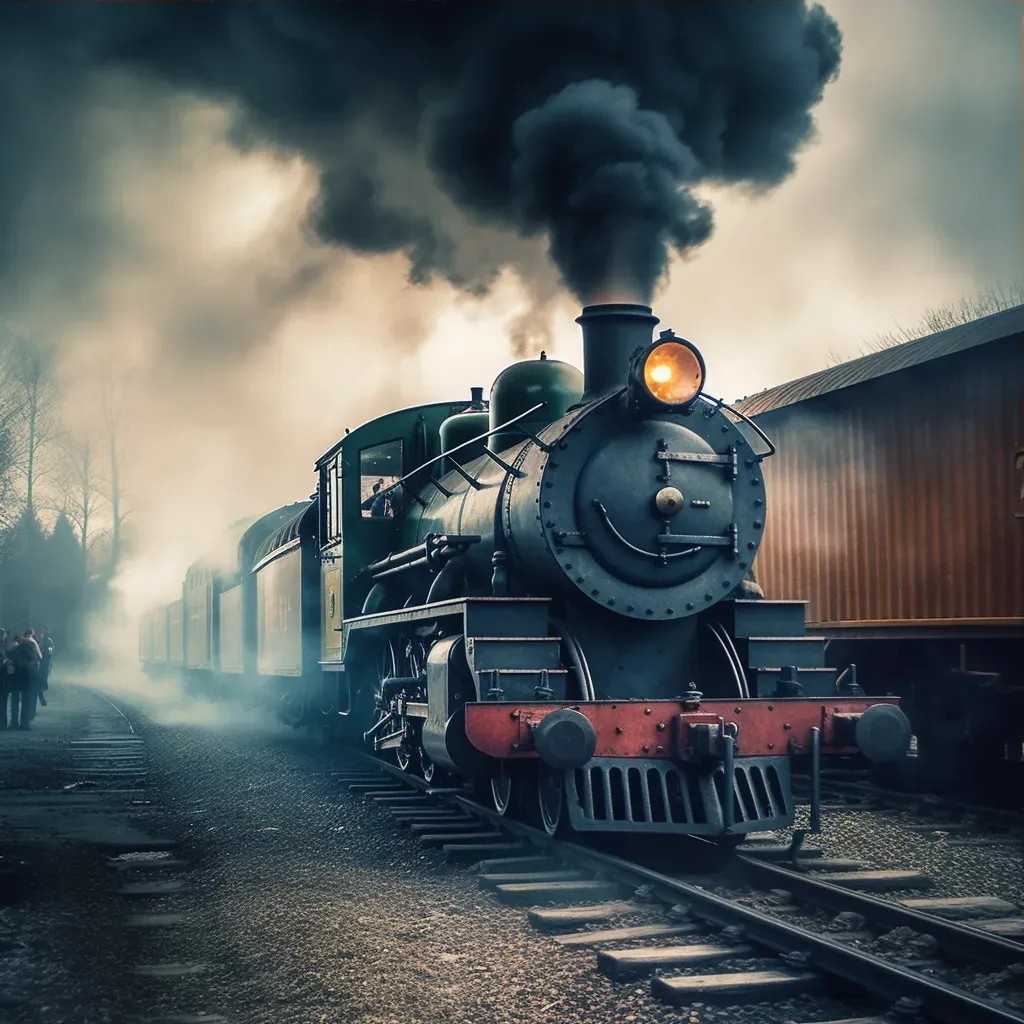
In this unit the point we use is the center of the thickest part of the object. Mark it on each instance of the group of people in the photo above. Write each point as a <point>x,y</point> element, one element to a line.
<point>24,674</point>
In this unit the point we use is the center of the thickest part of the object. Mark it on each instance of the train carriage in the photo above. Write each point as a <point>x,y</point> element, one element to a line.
<point>898,512</point>
<point>176,634</point>
<point>286,574</point>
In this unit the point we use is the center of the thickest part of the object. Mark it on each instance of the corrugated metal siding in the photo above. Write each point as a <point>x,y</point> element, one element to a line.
<point>894,500</point>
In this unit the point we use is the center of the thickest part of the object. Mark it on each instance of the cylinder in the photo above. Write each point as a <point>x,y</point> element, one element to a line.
<point>612,332</point>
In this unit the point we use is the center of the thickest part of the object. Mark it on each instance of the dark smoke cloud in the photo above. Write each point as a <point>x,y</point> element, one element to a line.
<point>584,122</point>
<point>604,178</point>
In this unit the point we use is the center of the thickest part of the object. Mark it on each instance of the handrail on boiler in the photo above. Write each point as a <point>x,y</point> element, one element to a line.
<point>465,444</point>
<point>719,404</point>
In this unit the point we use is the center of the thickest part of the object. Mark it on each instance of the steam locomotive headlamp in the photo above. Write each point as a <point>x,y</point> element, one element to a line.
<point>668,374</point>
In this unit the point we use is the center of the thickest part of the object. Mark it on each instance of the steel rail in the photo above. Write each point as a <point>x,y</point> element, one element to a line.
<point>796,945</point>
<point>955,940</point>
<point>96,693</point>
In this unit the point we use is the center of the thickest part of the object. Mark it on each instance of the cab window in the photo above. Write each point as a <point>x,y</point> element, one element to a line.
<point>379,467</point>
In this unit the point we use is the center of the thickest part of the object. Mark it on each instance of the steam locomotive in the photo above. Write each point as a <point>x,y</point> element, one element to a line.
<point>549,595</point>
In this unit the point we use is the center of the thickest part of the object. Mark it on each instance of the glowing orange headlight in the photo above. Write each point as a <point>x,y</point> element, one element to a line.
<point>673,373</point>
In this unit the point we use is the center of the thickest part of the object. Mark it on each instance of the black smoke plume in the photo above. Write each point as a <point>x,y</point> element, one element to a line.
<point>585,122</point>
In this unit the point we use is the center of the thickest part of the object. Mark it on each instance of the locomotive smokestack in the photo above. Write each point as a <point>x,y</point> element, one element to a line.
<point>612,332</point>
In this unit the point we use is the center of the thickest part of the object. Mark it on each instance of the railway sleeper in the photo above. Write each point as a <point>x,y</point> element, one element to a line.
<point>492,881</point>
<point>963,908</point>
<point>732,989</point>
<point>640,931</point>
<point>525,894</point>
<point>635,963</point>
<point>546,919</point>
<point>470,853</point>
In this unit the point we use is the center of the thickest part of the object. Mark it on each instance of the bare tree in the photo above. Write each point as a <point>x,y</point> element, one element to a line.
<point>33,422</point>
<point>11,405</point>
<point>80,486</point>
<point>113,408</point>
<point>941,318</point>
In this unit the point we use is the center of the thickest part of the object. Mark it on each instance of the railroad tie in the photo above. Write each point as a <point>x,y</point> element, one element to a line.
<point>568,917</point>
<point>779,851</point>
<point>470,853</point>
<point>880,881</point>
<point>634,963</point>
<point>732,989</point>
<point>458,825</point>
<point>524,863</point>
<point>492,881</point>
<point>1007,927</point>
<point>458,834</point>
<point>640,931</point>
<point>139,889</point>
<point>525,894</point>
<point>963,908</point>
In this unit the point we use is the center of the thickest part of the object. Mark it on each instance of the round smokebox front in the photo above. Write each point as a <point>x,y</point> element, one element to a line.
<point>644,511</point>
<point>654,517</point>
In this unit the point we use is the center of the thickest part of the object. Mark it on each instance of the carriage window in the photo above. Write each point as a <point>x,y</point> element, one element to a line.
<point>379,468</point>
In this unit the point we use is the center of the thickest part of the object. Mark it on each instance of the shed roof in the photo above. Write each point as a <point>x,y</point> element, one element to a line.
<point>995,327</point>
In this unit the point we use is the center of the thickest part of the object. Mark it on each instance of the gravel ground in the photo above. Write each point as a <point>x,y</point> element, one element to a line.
<point>301,903</point>
<point>61,943</point>
<point>309,904</point>
<point>882,839</point>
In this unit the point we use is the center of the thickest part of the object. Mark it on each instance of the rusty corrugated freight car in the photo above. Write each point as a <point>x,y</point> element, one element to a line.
<point>897,510</point>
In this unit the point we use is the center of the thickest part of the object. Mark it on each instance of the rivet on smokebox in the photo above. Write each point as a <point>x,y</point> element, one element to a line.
<point>771,746</point>
<point>786,725</point>
<point>647,711</point>
<point>661,749</point>
<point>618,730</point>
<point>661,727</point>
<point>646,749</point>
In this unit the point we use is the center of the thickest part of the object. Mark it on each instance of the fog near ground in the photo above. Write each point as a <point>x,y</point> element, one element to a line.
<point>244,347</point>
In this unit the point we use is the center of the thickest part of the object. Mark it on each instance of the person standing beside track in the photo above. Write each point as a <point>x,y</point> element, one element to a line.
<point>7,689</point>
<point>27,658</point>
<point>46,648</point>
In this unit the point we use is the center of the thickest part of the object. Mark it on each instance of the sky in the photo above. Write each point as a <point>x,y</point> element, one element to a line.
<point>247,345</point>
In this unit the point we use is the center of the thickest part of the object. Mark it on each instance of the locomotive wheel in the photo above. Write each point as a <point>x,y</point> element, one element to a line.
<point>404,757</point>
<point>502,793</point>
<point>551,800</point>
<point>509,790</point>
<point>430,771</point>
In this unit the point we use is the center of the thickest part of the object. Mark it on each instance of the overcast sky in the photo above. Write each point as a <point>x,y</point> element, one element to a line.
<point>909,198</point>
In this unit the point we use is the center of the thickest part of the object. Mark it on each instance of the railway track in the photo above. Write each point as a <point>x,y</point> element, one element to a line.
<point>855,788</point>
<point>699,939</point>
